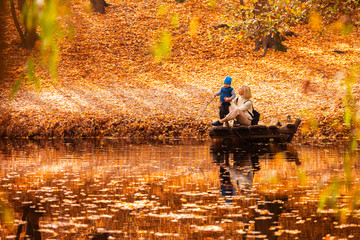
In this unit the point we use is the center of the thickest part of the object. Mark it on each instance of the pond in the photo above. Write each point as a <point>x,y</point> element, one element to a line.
<point>175,189</point>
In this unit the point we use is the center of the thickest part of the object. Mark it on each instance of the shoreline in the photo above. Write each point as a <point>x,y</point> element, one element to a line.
<point>152,127</point>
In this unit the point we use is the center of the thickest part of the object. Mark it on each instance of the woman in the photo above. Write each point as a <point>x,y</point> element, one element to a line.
<point>240,108</point>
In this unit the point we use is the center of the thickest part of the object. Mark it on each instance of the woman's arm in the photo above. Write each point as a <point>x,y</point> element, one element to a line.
<point>247,106</point>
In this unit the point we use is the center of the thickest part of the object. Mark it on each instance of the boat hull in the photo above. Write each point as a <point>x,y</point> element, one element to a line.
<point>238,136</point>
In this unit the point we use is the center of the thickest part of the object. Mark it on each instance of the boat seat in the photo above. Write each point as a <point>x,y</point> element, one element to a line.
<point>219,127</point>
<point>242,127</point>
<point>290,125</point>
<point>257,127</point>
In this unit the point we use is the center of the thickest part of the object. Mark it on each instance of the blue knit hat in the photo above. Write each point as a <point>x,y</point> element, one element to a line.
<point>227,80</point>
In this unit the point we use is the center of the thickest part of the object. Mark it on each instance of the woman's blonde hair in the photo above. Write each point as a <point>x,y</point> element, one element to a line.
<point>246,92</point>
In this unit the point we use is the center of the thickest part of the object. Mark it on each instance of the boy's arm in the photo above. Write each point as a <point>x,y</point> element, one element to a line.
<point>229,99</point>
<point>233,95</point>
<point>218,93</point>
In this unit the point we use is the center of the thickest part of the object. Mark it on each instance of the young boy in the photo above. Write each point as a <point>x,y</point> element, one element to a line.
<point>227,94</point>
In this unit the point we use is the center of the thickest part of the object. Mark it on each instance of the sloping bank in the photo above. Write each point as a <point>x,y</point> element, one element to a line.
<point>65,125</point>
<point>75,126</point>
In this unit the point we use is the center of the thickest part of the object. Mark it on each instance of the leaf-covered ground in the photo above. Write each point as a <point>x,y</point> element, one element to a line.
<point>110,85</point>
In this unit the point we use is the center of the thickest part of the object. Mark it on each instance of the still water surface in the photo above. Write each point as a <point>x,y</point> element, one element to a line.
<point>122,189</point>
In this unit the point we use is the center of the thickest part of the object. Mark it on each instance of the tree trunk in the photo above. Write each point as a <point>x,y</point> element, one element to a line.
<point>264,37</point>
<point>30,38</point>
<point>242,11</point>
<point>16,22</point>
<point>20,4</point>
<point>2,45</point>
<point>99,5</point>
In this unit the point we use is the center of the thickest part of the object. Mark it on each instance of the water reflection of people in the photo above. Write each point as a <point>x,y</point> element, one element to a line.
<point>239,176</point>
<point>237,170</point>
<point>237,167</point>
<point>226,186</point>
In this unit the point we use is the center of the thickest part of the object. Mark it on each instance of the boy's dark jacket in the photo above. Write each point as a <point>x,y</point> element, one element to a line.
<point>225,92</point>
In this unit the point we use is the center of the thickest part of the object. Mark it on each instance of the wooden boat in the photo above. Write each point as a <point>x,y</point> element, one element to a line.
<point>237,136</point>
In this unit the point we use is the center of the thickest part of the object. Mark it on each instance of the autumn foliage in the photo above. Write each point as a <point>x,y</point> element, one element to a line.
<point>148,68</point>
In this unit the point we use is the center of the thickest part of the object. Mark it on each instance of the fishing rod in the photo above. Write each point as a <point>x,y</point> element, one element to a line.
<point>205,108</point>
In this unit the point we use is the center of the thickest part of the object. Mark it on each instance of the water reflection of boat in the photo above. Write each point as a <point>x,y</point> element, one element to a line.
<point>222,154</point>
<point>254,134</point>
